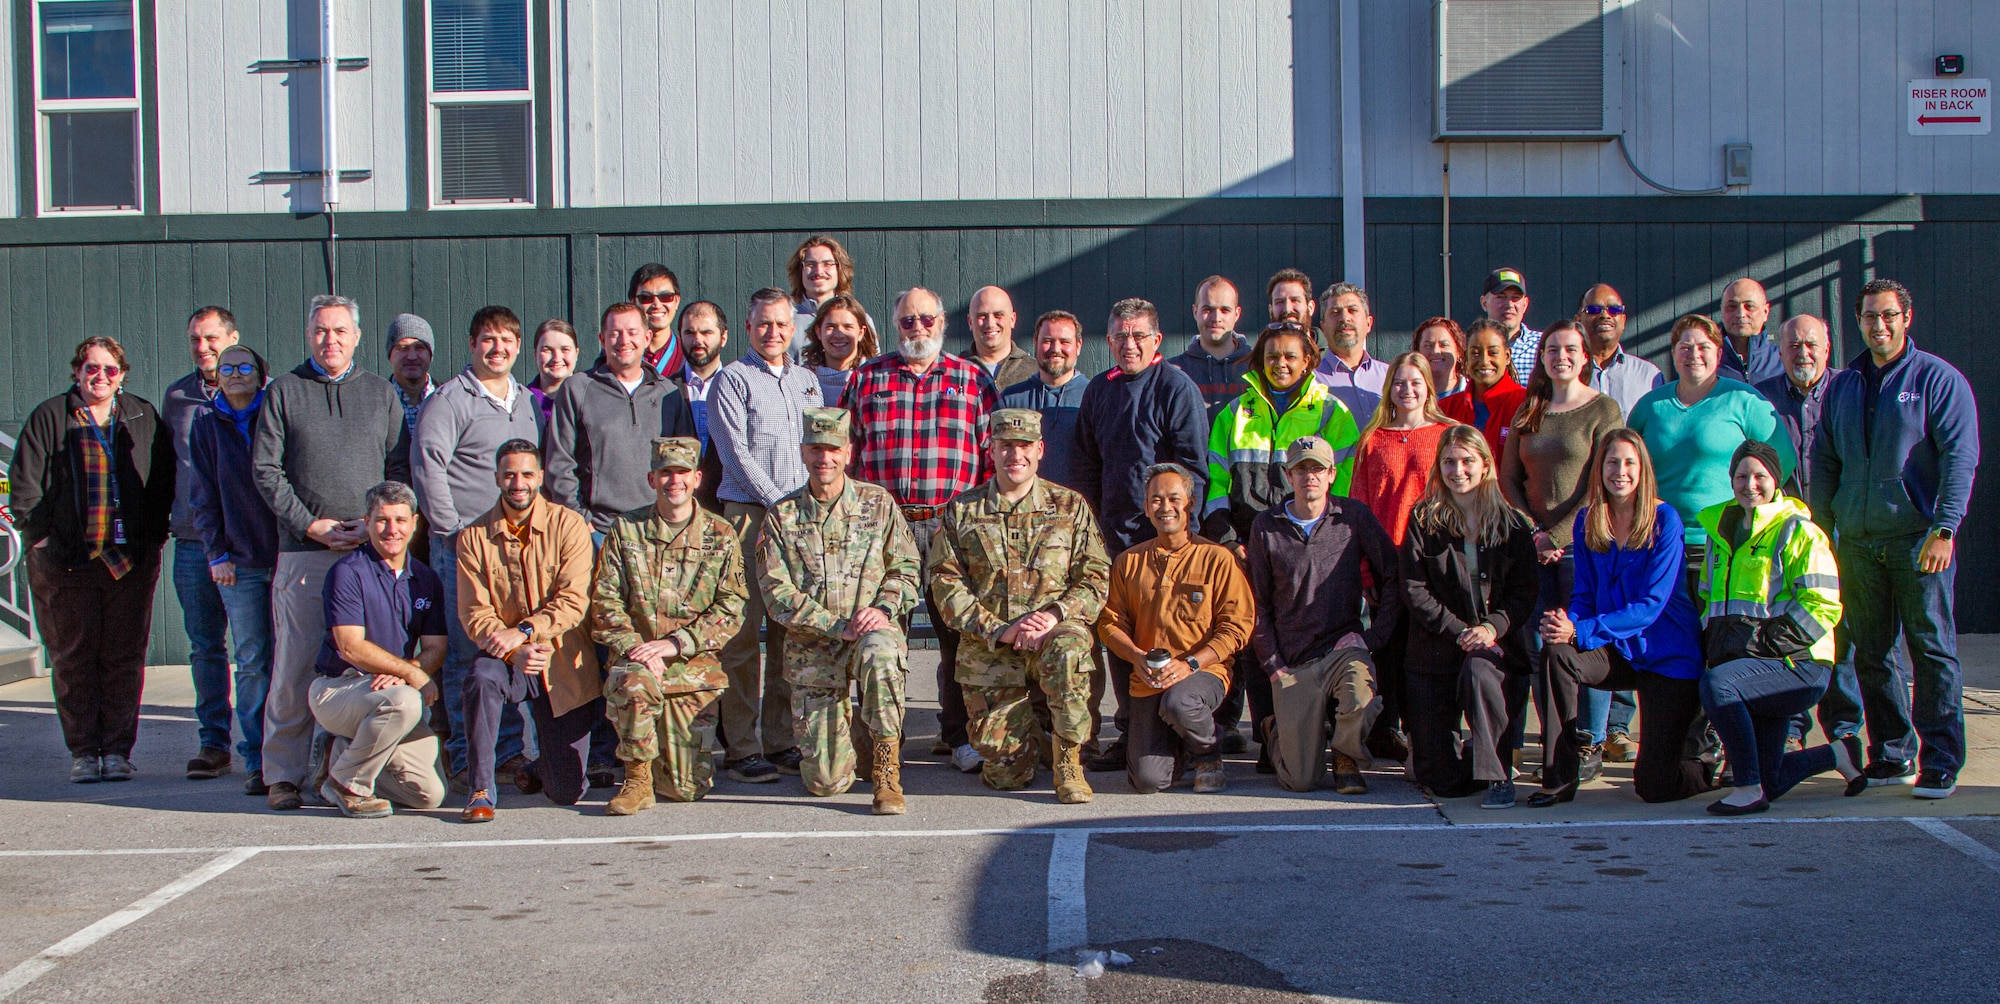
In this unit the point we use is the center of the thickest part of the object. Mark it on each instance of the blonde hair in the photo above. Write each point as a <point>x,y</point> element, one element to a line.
<point>1439,512</point>
<point>1385,409</point>
<point>1645,501</point>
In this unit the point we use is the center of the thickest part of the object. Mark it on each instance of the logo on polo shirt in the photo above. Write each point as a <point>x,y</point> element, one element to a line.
<point>1909,397</point>
<point>421,603</point>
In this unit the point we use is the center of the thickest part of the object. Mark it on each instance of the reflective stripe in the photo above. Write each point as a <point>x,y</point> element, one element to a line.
<point>1799,615</point>
<point>1739,608</point>
<point>1342,455</point>
<point>1220,503</point>
<point>1217,460</point>
<point>1252,456</point>
<point>1817,580</point>
<point>1774,574</point>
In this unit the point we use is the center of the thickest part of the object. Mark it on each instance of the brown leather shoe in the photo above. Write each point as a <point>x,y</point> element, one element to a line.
<point>208,764</point>
<point>520,771</point>
<point>1347,779</point>
<point>888,773</point>
<point>479,809</point>
<point>284,797</point>
<point>354,806</point>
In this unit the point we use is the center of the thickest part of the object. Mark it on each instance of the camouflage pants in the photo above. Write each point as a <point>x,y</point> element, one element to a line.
<point>876,663</point>
<point>674,731</point>
<point>1003,720</point>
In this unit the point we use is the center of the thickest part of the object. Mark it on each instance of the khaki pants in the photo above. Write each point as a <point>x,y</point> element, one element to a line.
<point>1342,681</point>
<point>298,616</point>
<point>369,754</point>
<point>758,693</point>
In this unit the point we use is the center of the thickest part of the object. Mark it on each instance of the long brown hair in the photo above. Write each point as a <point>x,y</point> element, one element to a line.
<point>795,266</point>
<point>1542,386</point>
<point>865,348</point>
<point>1385,409</point>
<point>1437,512</point>
<point>1645,501</point>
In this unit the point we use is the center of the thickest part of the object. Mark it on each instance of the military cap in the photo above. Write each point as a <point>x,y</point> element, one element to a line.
<point>826,427</point>
<point>1022,424</point>
<point>1307,448</point>
<point>676,453</point>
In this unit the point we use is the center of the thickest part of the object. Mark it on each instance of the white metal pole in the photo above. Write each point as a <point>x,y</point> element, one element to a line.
<point>1353,222</point>
<point>328,142</point>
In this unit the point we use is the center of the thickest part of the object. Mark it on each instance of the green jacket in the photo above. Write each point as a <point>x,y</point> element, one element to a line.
<point>1774,593</point>
<point>1246,453</point>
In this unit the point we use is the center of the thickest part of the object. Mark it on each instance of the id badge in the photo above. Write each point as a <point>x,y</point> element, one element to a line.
<point>117,530</point>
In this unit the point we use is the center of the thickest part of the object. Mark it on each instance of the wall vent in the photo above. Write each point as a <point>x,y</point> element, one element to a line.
<point>1525,69</point>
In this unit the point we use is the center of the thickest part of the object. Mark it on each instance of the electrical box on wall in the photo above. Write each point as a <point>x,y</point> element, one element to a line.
<point>1736,164</point>
<point>1950,65</point>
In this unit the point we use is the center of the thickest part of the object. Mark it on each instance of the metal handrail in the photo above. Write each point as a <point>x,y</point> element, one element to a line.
<point>14,549</point>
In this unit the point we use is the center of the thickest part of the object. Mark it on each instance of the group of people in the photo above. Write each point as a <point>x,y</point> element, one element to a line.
<point>664,554</point>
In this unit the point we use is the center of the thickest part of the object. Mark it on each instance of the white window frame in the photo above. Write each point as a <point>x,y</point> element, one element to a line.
<point>436,99</point>
<point>45,108</point>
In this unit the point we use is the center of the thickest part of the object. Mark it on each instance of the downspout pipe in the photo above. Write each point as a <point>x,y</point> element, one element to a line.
<point>329,182</point>
<point>1353,220</point>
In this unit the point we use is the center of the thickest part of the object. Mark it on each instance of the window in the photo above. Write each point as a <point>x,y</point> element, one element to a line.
<point>482,104</point>
<point>87,105</point>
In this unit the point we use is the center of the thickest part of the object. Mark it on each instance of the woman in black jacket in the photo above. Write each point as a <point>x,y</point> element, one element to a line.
<point>1470,577</point>
<point>93,484</point>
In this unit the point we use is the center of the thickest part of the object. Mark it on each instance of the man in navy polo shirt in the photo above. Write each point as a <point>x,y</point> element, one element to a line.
<point>385,644</point>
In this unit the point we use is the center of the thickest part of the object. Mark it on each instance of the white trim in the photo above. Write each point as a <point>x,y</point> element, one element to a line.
<point>434,99</point>
<point>45,108</point>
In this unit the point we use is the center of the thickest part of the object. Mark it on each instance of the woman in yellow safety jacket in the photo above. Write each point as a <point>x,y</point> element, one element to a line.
<point>1771,595</point>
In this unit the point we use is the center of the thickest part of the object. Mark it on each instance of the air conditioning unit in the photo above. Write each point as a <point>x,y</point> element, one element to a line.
<point>1527,69</point>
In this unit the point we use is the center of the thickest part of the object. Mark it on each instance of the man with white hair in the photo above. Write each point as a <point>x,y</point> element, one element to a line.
<point>920,431</point>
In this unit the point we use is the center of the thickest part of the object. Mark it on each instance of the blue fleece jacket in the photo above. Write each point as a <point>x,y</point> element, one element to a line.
<point>1637,601</point>
<point>1908,469</point>
<point>231,518</point>
<point>1127,423</point>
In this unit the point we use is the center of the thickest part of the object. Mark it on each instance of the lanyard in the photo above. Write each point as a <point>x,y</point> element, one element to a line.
<point>110,458</point>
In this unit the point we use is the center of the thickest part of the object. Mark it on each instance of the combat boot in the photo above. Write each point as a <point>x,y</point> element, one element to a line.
<point>888,775</point>
<point>637,791</point>
<point>1071,788</point>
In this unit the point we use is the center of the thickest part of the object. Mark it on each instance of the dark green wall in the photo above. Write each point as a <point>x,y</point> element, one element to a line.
<point>61,280</point>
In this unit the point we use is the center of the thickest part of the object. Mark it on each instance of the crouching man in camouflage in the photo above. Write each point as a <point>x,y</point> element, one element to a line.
<point>668,593</point>
<point>1019,567</point>
<point>839,567</point>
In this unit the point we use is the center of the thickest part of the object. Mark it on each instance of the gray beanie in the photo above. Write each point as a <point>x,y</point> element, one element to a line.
<point>1764,453</point>
<point>409,326</point>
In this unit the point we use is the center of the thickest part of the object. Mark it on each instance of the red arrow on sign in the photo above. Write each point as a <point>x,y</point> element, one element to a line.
<point>1928,119</point>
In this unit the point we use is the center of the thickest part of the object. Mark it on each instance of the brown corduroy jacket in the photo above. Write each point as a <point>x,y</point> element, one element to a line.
<point>502,584</point>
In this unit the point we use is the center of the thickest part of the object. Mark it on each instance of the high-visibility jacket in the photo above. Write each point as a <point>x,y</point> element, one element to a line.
<point>1778,591</point>
<point>1246,452</point>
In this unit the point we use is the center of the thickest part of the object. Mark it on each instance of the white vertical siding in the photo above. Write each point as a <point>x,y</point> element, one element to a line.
<point>869,100</point>
<point>10,183</point>
<point>220,124</point>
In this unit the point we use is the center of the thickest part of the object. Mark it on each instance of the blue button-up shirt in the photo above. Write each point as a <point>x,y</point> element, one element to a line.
<point>1357,387</point>
<point>1627,378</point>
<point>1522,352</point>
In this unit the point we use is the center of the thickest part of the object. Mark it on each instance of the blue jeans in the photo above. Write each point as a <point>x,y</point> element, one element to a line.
<point>207,628</point>
<point>459,652</point>
<point>1883,596</point>
<point>1751,703</point>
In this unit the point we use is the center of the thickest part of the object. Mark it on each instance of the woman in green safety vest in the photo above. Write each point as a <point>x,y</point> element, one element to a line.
<point>1772,596</point>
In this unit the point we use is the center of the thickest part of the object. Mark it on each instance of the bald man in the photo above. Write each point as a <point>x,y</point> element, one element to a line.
<point>1747,355</point>
<point>991,318</point>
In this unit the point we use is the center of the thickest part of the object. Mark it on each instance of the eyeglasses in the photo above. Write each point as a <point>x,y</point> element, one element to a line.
<point>237,369</point>
<point>1871,318</point>
<point>1615,309</point>
<point>1132,337</point>
<point>1292,326</point>
<point>667,297</point>
<point>93,369</point>
<point>911,322</point>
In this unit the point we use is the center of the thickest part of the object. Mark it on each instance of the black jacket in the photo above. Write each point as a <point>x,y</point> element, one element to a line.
<point>1438,593</point>
<point>1126,424</point>
<point>48,483</point>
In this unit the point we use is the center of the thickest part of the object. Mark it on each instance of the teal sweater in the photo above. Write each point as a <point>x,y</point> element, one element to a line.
<point>1691,447</point>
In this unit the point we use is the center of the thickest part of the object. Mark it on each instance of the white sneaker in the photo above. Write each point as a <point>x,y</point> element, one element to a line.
<point>967,759</point>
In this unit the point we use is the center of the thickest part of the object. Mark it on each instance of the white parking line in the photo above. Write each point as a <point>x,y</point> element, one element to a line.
<point>33,969</point>
<point>1951,835</point>
<point>30,710</point>
<point>1069,914</point>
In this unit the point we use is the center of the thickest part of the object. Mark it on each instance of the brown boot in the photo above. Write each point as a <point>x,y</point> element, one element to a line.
<point>888,775</point>
<point>1071,788</point>
<point>637,791</point>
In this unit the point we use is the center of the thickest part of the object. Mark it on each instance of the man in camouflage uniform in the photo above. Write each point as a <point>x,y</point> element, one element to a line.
<point>839,567</point>
<point>668,593</point>
<point>1019,567</point>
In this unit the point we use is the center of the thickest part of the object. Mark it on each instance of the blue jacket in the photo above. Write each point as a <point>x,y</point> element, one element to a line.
<point>1637,601</point>
<point>1914,474</point>
<point>230,516</point>
<point>1058,407</point>
<point>1126,424</point>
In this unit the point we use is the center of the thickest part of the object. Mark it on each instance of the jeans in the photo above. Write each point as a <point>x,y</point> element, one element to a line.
<point>208,659</point>
<point>1883,596</point>
<point>248,606</point>
<point>459,651</point>
<point>1751,703</point>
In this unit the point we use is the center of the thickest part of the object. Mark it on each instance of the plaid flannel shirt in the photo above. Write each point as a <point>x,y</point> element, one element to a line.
<point>921,437</point>
<point>99,509</point>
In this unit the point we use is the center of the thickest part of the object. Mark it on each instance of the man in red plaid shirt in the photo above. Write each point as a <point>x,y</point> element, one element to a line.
<point>920,431</point>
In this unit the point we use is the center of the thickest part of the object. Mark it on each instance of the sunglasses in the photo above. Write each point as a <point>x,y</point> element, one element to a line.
<point>1615,310</point>
<point>93,369</point>
<point>911,322</point>
<point>656,297</point>
<point>236,369</point>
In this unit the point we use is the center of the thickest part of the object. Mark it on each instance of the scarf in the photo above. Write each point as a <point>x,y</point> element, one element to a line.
<point>100,508</point>
<point>241,419</point>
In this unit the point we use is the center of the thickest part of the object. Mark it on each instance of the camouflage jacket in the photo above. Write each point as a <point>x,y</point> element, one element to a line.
<point>993,562</point>
<point>822,563</point>
<point>649,586</point>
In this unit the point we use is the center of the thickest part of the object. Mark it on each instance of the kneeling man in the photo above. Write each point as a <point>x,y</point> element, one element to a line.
<point>668,594</point>
<point>385,641</point>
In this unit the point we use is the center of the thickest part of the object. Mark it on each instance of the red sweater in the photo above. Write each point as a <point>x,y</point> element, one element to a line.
<point>1390,476</point>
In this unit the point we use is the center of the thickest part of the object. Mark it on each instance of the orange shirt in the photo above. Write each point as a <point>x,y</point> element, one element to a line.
<point>1391,472</point>
<point>1180,600</point>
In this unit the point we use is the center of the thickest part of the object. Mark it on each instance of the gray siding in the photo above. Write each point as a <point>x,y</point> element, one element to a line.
<point>10,130</point>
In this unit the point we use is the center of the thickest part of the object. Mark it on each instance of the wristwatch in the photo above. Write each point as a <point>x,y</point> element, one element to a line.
<point>526,629</point>
<point>1193,665</point>
<point>1942,533</point>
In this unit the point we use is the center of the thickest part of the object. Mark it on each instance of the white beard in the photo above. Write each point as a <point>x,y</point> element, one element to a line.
<point>919,350</point>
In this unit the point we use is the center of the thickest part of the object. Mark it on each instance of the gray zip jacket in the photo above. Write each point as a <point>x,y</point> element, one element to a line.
<point>600,441</point>
<point>459,430</point>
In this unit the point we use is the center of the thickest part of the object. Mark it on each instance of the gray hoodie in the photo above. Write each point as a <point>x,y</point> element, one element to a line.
<point>322,444</point>
<point>600,441</point>
<point>459,430</point>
